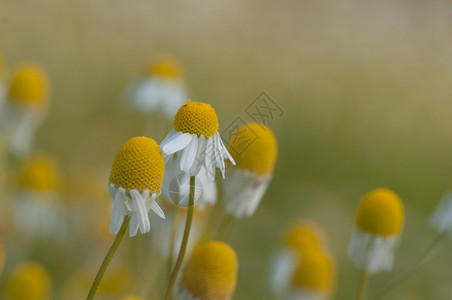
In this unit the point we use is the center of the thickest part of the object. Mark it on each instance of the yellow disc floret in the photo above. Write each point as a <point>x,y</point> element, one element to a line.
<point>41,173</point>
<point>211,272</point>
<point>138,165</point>
<point>303,236</point>
<point>254,148</point>
<point>29,281</point>
<point>29,86</point>
<point>165,67</point>
<point>314,272</point>
<point>196,118</point>
<point>380,213</point>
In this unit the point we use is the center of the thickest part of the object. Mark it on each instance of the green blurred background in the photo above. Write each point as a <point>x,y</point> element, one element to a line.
<point>365,88</point>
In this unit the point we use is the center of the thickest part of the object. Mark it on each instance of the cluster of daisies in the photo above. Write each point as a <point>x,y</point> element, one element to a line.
<point>179,179</point>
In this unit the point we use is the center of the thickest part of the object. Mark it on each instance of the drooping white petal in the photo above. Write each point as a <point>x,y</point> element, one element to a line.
<point>140,212</point>
<point>200,156</point>
<point>175,143</point>
<point>156,208</point>
<point>209,161</point>
<point>189,154</point>
<point>225,151</point>
<point>118,196</point>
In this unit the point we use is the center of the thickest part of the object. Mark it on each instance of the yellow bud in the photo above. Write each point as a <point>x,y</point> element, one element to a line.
<point>29,86</point>
<point>211,272</point>
<point>29,281</point>
<point>165,67</point>
<point>196,118</point>
<point>314,272</point>
<point>41,173</point>
<point>380,213</point>
<point>304,235</point>
<point>254,148</point>
<point>138,165</point>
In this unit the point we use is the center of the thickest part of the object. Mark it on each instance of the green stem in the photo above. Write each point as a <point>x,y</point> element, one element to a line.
<point>410,271</point>
<point>224,227</point>
<point>362,286</point>
<point>183,246</point>
<point>108,258</point>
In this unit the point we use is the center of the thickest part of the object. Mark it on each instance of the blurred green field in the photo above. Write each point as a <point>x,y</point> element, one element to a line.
<point>365,89</point>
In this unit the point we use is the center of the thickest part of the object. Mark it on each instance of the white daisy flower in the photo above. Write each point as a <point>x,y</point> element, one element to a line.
<point>135,182</point>
<point>162,89</point>
<point>254,148</point>
<point>376,234</point>
<point>24,108</point>
<point>441,220</point>
<point>195,141</point>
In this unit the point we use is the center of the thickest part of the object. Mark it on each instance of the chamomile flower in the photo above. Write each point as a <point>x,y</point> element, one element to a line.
<point>195,141</point>
<point>313,278</point>
<point>135,181</point>
<point>376,234</point>
<point>161,89</point>
<point>29,281</point>
<point>254,148</point>
<point>441,220</point>
<point>38,205</point>
<point>25,107</point>
<point>210,273</point>
<point>301,239</point>
<point>176,187</point>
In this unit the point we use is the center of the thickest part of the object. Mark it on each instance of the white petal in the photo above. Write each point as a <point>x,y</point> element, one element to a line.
<point>189,154</point>
<point>168,136</point>
<point>156,208</point>
<point>140,211</point>
<point>210,159</point>
<point>175,143</point>
<point>225,151</point>
<point>200,155</point>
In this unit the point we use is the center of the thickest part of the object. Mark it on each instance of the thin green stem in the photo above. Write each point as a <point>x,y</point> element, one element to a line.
<point>108,258</point>
<point>183,246</point>
<point>224,227</point>
<point>412,268</point>
<point>362,286</point>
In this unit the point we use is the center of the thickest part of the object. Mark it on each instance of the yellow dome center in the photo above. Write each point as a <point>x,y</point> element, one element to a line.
<point>196,118</point>
<point>254,148</point>
<point>166,67</point>
<point>315,272</point>
<point>29,281</point>
<point>380,213</point>
<point>138,165</point>
<point>303,236</point>
<point>41,173</point>
<point>29,86</point>
<point>211,272</point>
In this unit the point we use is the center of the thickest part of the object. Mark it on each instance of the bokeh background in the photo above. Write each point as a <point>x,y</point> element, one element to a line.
<point>365,88</point>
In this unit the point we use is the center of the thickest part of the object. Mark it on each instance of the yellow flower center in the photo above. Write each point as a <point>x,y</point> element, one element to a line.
<point>211,272</point>
<point>196,118</point>
<point>166,67</point>
<point>29,281</point>
<point>29,86</point>
<point>41,173</point>
<point>315,272</point>
<point>138,165</point>
<point>303,236</point>
<point>380,213</point>
<point>254,148</point>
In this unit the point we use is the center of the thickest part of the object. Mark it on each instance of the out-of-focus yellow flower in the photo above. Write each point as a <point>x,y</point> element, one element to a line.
<point>314,275</point>
<point>196,141</point>
<point>135,181</point>
<point>210,273</point>
<point>41,173</point>
<point>255,149</point>
<point>379,221</point>
<point>29,281</point>
<point>165,67</point>
<point>304,235</point>
<point>29,86</point>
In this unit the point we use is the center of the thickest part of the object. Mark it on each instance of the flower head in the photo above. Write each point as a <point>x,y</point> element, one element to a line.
<point>29,281</point>
<point>315,273</point>
<point>303,236</point>
<point>254,148</point>
<point>210,273</point>
<point>29,86</point>
<point>195,140</point>
<point>258,156</point>
<point>165,67</point>
<point>379,221</point>
<point>41,173</point>
<point>135,181</point>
